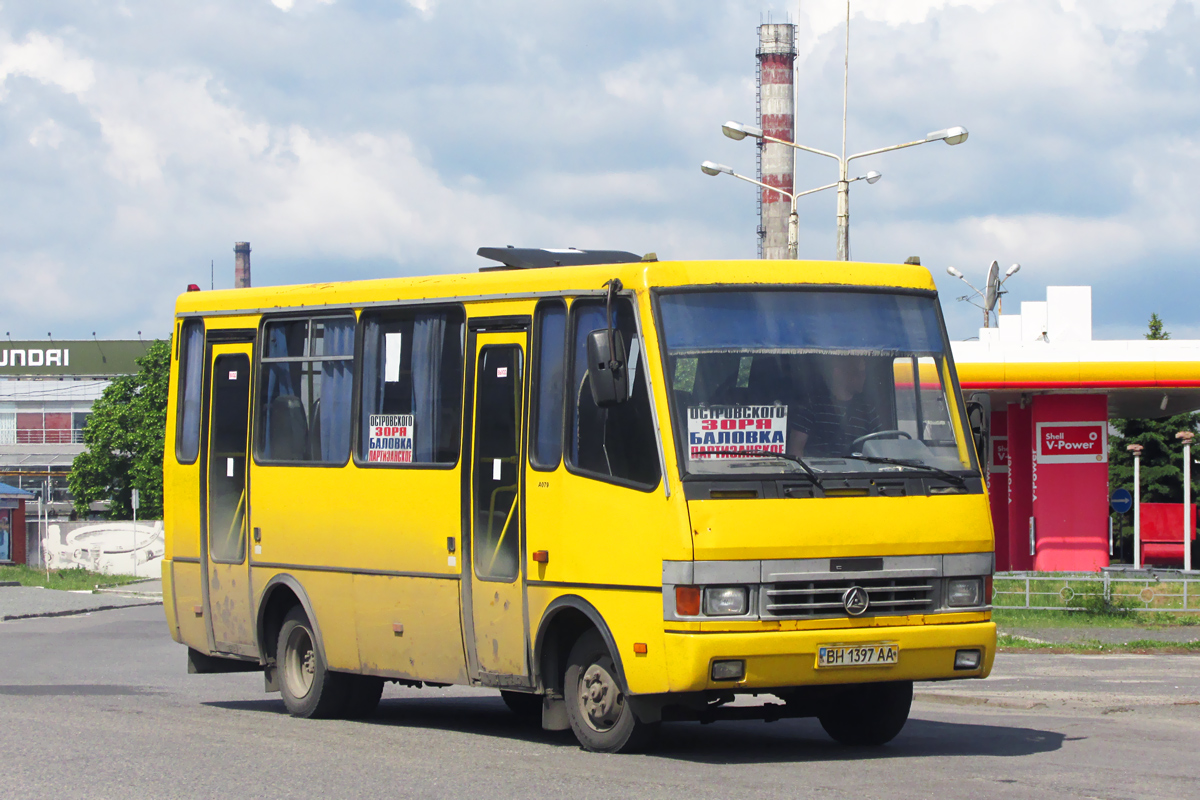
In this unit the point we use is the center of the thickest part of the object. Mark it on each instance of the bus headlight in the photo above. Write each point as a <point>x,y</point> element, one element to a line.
<point>964,592</point>
<point>725,601</point>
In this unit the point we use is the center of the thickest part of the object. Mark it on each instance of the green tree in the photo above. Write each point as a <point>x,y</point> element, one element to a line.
<point>125,436</point>
<point>1162,453</point>
<point>1156,329</point>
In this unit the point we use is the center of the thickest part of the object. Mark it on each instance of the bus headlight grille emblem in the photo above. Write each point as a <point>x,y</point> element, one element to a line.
<point>856,601</point>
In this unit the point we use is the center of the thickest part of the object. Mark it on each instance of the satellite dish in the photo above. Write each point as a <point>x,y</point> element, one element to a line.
<point>992,292</point>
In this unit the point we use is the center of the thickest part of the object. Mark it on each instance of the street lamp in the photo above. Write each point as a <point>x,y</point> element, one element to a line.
<point>993,289</point>
<point>951,136</point>
<point>1136,449</point>
<point>712,168</point>
<point>739,131</point>
<point>1187,437</point>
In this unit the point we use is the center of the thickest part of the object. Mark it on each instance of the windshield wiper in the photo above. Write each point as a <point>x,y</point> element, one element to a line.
<point>808,471</point>
<point>957,480</point>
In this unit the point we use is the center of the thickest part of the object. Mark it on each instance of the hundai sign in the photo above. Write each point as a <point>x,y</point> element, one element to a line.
<point>73,358</point>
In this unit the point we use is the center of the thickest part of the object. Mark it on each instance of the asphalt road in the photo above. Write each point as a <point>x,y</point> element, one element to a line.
<point>100,706</point>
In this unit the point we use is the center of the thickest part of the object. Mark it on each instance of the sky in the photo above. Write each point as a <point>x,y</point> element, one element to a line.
<point>350,139</point>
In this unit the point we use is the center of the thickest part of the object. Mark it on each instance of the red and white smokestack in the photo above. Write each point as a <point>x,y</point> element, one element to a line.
<point>776,117</point>
<point>241,265</point>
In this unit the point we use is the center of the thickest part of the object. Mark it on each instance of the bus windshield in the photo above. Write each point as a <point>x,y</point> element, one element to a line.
<point>848,381</point>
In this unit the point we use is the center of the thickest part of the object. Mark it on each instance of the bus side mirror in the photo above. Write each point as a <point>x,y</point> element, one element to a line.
<point>607,374</point>
<point>977,418</point>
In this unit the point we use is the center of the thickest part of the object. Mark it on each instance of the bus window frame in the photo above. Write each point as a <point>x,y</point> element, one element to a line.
<point>258,420</point>
<point>384,310</point>
<point>181,365</point>
<point>570,407</point>
<point>535,376</point>
<point>657,292</point>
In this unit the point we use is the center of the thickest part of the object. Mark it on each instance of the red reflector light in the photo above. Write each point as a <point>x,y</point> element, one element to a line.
<point>987,590</point>
<point>541,556</point>
<point>687,601</point>
<point>639,648</point>
<point>193,287</point>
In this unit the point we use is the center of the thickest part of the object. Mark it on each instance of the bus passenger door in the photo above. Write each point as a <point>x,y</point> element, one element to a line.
<point>226,500</point>
<point>493,575</point>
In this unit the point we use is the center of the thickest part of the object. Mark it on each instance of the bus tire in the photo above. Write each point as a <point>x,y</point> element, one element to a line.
<point>526,706</point>
<point>362,696</point>
<point>868,714</point>
<point>309,688</point>
<point>601,719</point>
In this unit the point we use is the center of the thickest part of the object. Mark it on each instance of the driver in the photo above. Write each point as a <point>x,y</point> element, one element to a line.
<point>829,424</point>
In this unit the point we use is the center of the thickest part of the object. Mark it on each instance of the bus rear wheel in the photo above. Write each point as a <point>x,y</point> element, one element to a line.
<point>868,714</point>
<point>309,689</point>
<point>601,718</point>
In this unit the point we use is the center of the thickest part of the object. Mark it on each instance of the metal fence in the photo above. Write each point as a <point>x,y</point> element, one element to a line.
<point>1091,591</point>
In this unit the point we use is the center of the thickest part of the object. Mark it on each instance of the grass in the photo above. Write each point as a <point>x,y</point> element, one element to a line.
<point>1010,643</point>
<point>70,579</point>
<point>1127,597</point>
<point>1025,618</point>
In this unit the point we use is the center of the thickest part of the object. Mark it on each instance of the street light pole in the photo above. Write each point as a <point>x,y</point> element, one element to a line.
<point>738,131</point>
<point>1136,449</point>
<point>712,168</point>
<point>1187,437</point>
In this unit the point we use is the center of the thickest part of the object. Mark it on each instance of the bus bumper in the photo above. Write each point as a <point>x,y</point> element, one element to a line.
<point>778,659</point>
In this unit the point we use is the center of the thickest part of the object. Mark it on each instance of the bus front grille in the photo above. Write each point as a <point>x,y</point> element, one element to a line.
<point>823,598</point>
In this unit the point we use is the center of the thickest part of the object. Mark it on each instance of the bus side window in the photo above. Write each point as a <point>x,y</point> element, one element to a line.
<point>550,345</point>
<point>191,378</point>
<point>306,390</point>
<point>616,442</point>
<point>412,372</point>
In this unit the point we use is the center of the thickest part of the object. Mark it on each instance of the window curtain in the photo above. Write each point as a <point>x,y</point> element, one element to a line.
<point>337,382</point>
<point>193,355</point>
<point>282,379</point>
<point>429,337</point>
<point>372,381</point>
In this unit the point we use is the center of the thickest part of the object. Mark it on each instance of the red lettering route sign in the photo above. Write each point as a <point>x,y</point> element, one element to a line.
<point>1072,442</point>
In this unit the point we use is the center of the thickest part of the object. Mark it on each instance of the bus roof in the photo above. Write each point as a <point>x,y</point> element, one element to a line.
<point>577,280</point>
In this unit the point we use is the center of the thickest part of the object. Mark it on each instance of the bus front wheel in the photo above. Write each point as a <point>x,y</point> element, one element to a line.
<point>868,714</point>
<point>601,718</point>
<point>309,689</point>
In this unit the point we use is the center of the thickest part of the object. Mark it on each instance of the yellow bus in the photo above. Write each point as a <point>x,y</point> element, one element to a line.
<point>620,492</point>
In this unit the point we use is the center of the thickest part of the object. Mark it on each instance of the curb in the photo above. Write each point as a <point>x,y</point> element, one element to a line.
<point>76,612</point>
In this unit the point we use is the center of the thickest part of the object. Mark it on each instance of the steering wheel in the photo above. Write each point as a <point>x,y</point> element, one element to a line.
<point>878,435</point>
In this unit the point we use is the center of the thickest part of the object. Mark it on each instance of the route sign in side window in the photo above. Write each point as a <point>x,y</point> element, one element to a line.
<point>412,373</point>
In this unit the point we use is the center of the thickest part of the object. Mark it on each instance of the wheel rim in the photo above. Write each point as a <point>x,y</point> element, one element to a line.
<point>299,662</point>
<point>600,698</point>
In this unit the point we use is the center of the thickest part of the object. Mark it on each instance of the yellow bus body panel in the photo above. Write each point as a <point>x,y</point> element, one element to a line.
<point>788,658</point>
<point>832,527</point>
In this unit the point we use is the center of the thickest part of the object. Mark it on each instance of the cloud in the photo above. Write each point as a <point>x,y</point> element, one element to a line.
<point>45,59</point>
<point>381,138</point>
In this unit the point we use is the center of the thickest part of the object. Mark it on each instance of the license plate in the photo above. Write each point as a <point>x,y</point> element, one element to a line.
<point>858,655</point>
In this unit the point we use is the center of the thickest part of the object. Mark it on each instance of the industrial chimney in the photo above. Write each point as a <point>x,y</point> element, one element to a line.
<point>241,265</point>
<point>776,117</point>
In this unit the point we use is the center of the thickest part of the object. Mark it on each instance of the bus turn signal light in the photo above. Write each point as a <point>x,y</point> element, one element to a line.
<point>541,556</point>
<point>640,648</point>
<point>687,601</point>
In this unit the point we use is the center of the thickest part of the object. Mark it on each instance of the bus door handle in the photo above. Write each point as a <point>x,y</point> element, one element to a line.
<point>257,535</point>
